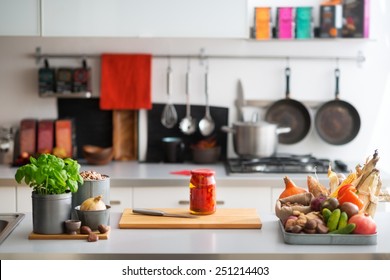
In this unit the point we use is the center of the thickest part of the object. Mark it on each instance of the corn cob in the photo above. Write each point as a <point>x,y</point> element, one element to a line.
<point>350,178</point>
<point>333,179</point>
<point>367,188</point>
<point>371,208</point>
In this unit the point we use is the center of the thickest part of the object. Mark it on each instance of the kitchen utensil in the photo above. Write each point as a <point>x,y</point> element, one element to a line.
<point>181,172</point>
<point>161,213</point>
<point>169,114</point>
<point>72,226</point>
<point>67,236</point>
<point>64,82</point>
<point>173,149</point>
<point>47,79</point>
<point>188,124</point>
<point>337,122</point>
<point>240,101</point>
<point>255,139</point>
<point>225,218</point>
<point>94,218</point>
<point>206,125</point>
<point>97,155</point>
<point>289,113</point>
<point>81,78</point>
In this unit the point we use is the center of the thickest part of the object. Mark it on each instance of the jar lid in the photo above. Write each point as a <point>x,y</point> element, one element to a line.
<point>203,171</point>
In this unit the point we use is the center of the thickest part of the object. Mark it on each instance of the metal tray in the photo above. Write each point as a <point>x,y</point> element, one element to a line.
<point>327,239</point>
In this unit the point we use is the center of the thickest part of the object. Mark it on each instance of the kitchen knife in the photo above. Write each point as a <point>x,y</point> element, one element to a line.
<point>151,212</point>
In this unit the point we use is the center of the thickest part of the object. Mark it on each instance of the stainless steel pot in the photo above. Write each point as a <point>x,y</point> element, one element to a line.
<point>255,139</point>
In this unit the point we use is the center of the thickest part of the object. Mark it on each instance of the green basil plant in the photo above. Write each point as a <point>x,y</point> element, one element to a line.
<point>49,174</point>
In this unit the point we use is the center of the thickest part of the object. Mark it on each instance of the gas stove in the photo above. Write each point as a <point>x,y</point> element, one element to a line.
<point>283,163</point>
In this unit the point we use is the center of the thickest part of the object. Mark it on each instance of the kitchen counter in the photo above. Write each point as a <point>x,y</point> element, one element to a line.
<point>133,173</point>
<point>265,243</point>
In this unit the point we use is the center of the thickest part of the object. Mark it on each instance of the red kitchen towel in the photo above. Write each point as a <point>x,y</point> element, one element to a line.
<point>125,81</point>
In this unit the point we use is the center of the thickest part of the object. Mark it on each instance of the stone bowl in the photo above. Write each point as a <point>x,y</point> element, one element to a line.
<point>206,155</point>
<point>72,226</point>
<point>93,219</point>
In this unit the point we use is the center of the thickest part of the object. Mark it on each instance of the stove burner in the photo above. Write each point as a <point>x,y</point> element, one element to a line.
<point>283,163</point>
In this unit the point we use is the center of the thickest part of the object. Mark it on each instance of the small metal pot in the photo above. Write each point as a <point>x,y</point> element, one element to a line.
<point>255,139</point>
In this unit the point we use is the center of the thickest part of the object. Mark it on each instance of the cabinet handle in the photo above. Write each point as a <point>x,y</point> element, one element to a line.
<point>187,202</point>
<point>115,202</point>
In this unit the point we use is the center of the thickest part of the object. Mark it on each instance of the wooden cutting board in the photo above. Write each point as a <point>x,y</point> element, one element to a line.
<point>224,218</point>
<point>64,236</point>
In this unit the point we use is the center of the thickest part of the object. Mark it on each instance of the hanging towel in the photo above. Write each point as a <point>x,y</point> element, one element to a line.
<point>125,81</point>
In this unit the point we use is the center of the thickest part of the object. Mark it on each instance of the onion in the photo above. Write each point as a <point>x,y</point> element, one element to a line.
<point>93,204</point>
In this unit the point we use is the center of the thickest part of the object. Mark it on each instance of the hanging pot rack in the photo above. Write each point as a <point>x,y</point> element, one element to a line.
<point>201,56</point>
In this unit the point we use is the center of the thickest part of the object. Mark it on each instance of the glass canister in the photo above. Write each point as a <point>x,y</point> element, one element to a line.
<point>202,192</point>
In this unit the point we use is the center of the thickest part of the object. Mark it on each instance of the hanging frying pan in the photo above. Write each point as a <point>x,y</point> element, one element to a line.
<point>291,113</point>
<point>337,122</point>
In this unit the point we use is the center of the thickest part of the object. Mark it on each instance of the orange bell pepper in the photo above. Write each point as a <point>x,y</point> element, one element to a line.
<point>345,188</point>
<point>349,195</point>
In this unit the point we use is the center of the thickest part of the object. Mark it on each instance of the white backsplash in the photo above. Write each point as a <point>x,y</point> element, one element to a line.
<point>367,87</point>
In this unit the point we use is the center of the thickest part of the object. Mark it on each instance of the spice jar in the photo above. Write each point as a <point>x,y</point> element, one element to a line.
<point>202,192</point>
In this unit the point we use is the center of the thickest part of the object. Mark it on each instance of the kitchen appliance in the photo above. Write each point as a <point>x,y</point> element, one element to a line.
<point>290,113</point>
<point>7,142</point>
<point>283,163</point>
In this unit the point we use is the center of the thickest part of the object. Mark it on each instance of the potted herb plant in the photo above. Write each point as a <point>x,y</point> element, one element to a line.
<point>53,180</point>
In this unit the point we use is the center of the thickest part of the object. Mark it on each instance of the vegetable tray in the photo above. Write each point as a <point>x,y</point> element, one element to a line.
<point>327,239</point>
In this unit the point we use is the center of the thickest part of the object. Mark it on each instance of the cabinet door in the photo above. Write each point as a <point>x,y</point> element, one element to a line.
<point>275,195</point>
<point>7,199</point>
<point>121,198</point>
<point>19,18</point>
<point>23,199</point>
<point>161,197</point>
<point>227,197</point>
<point>245,197</point>
<point>146,18</point>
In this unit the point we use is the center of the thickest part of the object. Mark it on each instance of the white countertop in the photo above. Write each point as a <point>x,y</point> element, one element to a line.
<point>265,243</point>
<point>133,173</point>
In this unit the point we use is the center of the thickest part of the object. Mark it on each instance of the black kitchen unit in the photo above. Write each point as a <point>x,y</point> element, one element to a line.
<point>283,163</point>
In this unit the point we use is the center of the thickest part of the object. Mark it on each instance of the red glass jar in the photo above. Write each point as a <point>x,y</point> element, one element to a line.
<point>202,192</point>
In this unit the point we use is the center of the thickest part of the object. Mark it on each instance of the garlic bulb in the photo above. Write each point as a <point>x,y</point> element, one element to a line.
<point>93,204</point>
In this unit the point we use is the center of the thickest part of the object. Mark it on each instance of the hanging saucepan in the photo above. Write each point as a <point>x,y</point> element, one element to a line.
<point>337,122</point>
<point>291,113</point>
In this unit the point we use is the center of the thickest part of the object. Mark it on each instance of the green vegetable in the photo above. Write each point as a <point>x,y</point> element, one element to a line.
<point>326,214</point>
<point>49,174</point>
<point>345,230</point>
<point>343,220</point>
<point>333,220</point>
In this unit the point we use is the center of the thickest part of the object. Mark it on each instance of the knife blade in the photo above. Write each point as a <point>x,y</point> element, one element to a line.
<point>151,212</point>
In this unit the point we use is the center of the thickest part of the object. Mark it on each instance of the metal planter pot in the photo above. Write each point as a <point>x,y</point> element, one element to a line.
<point>92,188</point>
<point>50,212</point>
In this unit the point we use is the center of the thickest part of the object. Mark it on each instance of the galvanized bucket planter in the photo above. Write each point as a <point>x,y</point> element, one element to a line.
<point>50,212</point>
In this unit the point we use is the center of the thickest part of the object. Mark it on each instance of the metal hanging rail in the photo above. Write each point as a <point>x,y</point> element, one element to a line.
<point>359,58</point>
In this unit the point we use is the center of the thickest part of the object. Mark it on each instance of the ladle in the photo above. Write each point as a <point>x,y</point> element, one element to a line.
<point>188,124</point>
<point>206,125</point>
<point>169,114</point>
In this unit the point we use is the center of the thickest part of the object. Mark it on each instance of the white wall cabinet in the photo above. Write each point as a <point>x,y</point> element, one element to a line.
<point>7,199</point>
<point>146,18</point>
<point>19,18</point>
<point>23,196</point>
<point>161,197</point>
